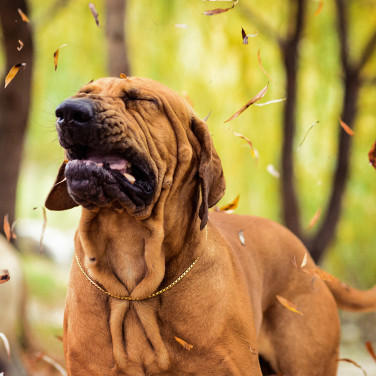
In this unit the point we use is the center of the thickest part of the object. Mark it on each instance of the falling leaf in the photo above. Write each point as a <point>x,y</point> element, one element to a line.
<point>186,345</point>
<point>123,75</point>
<point>321,274</point>
<point>43,228</point>
<point>262,68</point>
<point>314,219</point>
<point>6,344</point>
<point>232,205</point>
<point>245,36</point>
<point>207,116</point>
<point>56,55</point>
<point>241,237</point>
<point>23,15</point>
<point>346,128</point>
<point>59,338</point>
<point>304,261</point>
<point>289,305</point>
<point>258,96</point>
<point>213,12</point>
<point>272,171</point>
<point>12,73</point>
<point>305,136</point>
<point>347,360</point>
<point>372,155</point>
<point>270,102</point>
<point>20,47</point>
<point>4,276</point>
<point>319,7</point>
<point>55,364</point>
<point>6,227</point>
<point>248,141</point>
<point>94,13</point>
<point>14,236</point>
<point>370,349</point>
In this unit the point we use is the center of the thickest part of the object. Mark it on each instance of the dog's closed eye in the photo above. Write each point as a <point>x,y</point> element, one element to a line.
<point>135,95</point>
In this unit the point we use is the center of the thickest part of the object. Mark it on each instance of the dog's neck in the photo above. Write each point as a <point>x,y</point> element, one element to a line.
<point>121,252</point>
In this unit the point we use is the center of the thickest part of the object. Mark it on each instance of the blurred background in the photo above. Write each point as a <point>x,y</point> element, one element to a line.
<point>306,170</point>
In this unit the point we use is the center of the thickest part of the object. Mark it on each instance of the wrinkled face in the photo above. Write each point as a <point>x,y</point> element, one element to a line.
<point>111,131</point>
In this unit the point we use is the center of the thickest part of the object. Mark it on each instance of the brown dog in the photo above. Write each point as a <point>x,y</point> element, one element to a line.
<point>153,291</point>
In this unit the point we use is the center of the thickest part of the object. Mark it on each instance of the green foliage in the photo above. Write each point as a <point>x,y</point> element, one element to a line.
<point>207,62</point>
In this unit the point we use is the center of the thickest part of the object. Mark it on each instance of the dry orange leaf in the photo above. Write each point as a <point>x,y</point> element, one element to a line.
<point>56,55</point>
<point>370,349</point>
<point>321,274</point>
<point>289,305</point>
<point>4,276</point>
<point>315,218</point>
<point>186,345</point>
<point>372,155</point>
<point>213,12</point>
<point>12,73</point>
<point>346,128</point>
<point>262,68</point>
<point>23,15</point>
<point>258,96</point>
<point>94,13</point>
<point>123,75</point>
<point>6,227</point>
<point>248,141</point>
<point>347,360</point>
<point>20,47</point>
<point>319,7</point>
<point>232,205</point>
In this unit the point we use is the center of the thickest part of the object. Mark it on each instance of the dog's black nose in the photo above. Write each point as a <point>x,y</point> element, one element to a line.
<point>75,112</point>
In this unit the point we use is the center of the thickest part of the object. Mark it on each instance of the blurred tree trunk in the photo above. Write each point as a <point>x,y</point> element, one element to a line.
<point>118,61</point>
<point>14,101</point>
<point>352,81</point>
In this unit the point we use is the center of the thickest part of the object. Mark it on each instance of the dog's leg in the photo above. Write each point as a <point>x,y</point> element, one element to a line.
<point>307,344</point>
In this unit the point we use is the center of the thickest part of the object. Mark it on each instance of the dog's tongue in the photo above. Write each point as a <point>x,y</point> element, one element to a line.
<point>116,163</point>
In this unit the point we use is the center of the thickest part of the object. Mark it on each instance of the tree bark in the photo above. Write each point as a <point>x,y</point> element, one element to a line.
<point>321,240</point>
<point>14,101</point>
<point>118,61</point>
<point>290,52</point>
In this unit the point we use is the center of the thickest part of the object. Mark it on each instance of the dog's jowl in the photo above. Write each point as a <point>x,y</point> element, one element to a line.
<point>159,286</point>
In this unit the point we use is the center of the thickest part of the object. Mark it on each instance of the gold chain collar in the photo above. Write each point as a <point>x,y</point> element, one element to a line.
<point>129,298</point>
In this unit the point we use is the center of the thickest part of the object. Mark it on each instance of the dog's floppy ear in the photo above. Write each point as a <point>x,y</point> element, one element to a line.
<point>210,171</point>
<point>58,198</point>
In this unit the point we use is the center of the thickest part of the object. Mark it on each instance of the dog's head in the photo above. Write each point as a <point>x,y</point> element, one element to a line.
<point>125,141</point>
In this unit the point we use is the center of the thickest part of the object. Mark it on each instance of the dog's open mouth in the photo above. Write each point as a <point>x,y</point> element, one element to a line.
<point>97,178</point>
